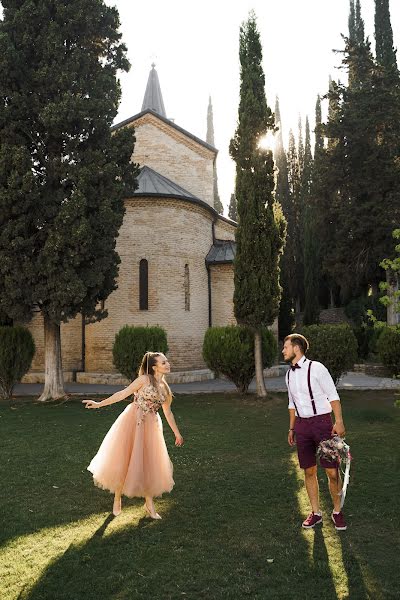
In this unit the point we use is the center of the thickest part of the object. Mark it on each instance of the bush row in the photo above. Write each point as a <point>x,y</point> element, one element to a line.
<point>226,350</point>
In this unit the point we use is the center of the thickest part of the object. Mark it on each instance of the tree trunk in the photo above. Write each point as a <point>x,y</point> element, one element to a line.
<point>54,381</point>
<point>331,299</point>
<point>393,286</point>
<point>260,384</point>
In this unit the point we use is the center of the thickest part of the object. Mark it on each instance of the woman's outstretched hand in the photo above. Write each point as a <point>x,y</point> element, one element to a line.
<point>179,440</point>
<point>91,404</point>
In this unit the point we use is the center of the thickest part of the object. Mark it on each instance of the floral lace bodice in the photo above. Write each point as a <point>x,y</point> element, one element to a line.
<point>149,399</point>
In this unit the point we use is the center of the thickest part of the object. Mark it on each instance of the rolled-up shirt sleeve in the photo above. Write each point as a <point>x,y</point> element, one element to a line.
<point>327,384</point>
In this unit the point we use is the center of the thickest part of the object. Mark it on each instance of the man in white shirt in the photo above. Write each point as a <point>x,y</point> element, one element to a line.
<point>312,398</point>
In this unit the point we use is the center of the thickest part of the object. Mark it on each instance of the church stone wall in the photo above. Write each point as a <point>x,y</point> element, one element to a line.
<point>224,230</point>
<point>71,343</point>
<point>222,288</point>
<point>169,234</point>
<point>175,156</point>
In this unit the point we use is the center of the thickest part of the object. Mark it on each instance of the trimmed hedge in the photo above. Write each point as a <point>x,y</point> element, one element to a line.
<point>333,345</point>
<point>230,351</point>
<point>131,344</point>
<point>389,348</point>
<point>17,350</point>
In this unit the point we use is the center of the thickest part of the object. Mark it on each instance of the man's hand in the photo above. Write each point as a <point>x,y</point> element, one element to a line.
<point>291,438</point>
<point>339,429</point>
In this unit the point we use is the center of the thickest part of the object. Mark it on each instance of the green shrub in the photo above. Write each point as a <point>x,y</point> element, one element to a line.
<point>230,351</point>
<point>17,350</point>
<point>389,348</point>
<point>130,345</point>
<point>363,327</point>
<point>333,345</point>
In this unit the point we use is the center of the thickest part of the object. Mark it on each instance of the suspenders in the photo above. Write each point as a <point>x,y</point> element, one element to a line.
<point>309,389</point>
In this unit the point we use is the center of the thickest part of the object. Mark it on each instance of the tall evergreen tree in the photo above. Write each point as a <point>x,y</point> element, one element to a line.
<point>292,217</point>
<point>300,148</point>
<point>260,231</point>
<point>282,195</point>
<point>282,183</point>
<point>363,173</point>
<point>210,140</point>
<point>232,213</point>
<point>385,52</point>
<point>62,174</point>
<point>311,231</point>
<point>306,174</point>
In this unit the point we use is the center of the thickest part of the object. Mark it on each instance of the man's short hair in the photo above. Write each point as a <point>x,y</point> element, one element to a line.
<point>298,340</point>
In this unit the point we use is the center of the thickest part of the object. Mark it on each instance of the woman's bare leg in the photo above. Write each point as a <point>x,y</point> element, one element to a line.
<point>117,502</point>
<point>149,506</point>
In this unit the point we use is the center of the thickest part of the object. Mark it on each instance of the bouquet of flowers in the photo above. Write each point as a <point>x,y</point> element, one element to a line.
<point>336,450</point>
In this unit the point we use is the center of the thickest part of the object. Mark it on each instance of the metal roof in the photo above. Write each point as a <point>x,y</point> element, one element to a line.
<point>151,183</point>
<point>153,99</point>
<point>222,251</point>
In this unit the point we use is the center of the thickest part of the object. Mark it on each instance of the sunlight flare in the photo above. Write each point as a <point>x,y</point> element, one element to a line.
<point>267,141</point>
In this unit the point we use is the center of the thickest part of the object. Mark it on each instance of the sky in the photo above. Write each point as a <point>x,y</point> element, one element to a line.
<point>195,48</point>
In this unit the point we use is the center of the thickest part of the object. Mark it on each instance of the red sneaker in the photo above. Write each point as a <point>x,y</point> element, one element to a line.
<point>340,523</point>
<point>312,520</point>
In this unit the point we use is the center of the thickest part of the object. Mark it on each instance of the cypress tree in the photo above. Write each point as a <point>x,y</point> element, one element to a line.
<point>286,317</point>
<point>260,231</point>
<point>292,217</point>
<point>385,52</point>
<point>311,232</point>
<point>210,140</point>
<point>363,169</point>
<point>282,183</point>
<point>62,174</point>
<point>300,148</point>
<point>232,213</point>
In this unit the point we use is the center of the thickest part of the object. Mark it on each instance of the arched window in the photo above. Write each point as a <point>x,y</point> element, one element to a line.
<point>143,284</point>
<point>186,286</point>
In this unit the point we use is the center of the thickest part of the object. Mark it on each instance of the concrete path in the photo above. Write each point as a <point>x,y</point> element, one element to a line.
<point>351,381</point>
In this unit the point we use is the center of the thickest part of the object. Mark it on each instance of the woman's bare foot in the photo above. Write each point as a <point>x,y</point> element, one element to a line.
<point>117,506</point>
<point>149,506</point>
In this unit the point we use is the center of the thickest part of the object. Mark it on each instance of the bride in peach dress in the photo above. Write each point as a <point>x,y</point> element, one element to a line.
<point>133,458</point>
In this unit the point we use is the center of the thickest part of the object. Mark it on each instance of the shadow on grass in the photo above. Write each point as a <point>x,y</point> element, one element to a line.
<point>233,525</point>
<point>232,530</point>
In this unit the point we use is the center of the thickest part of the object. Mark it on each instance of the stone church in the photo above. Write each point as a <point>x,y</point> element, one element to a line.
<point>176,255</point>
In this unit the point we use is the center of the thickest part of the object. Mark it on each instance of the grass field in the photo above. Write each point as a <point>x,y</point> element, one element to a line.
<point>231,528</point>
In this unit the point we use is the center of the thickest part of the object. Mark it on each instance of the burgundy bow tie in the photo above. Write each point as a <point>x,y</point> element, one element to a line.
<point>294,367</point>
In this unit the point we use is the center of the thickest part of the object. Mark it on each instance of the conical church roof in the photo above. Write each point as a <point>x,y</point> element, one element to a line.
<point>153,99</point>
<point>151,183</point>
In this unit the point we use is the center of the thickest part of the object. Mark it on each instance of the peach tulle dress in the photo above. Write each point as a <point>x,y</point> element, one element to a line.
<point>133,455</point>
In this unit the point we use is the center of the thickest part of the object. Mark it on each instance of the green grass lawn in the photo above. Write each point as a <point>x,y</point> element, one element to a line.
<point>231,528</point>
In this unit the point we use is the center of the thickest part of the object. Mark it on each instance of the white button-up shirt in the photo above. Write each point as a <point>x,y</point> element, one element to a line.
<point>322,386</point>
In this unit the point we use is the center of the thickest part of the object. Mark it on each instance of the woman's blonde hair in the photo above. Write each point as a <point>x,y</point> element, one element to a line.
<point>148,363</point>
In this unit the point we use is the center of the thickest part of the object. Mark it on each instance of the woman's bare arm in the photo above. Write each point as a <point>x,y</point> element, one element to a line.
<point>169,415</point>
<point>118,396</point>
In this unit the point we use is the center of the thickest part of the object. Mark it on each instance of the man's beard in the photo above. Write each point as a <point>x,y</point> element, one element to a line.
<point>289,360</point>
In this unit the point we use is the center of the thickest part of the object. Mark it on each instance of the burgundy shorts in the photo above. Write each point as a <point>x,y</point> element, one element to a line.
<point>309,433</point>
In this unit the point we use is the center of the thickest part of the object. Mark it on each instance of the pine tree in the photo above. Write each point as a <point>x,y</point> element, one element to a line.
<point>232,214</point>
<point>286,318</point>
<point>260,231</point>
<point>210,140</point>
<point>62,174</point>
